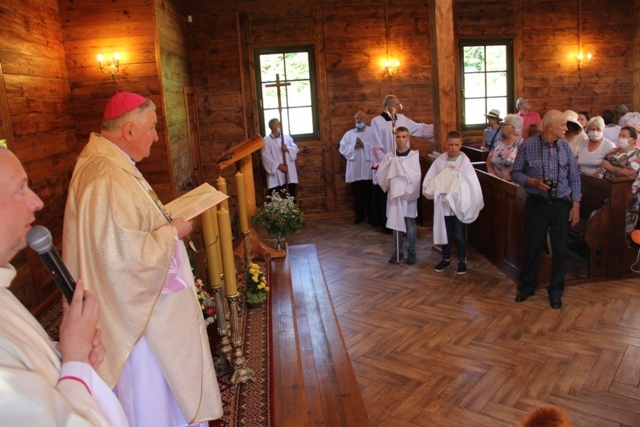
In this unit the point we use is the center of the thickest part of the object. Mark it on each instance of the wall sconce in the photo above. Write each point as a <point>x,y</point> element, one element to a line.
<point>112,68</point>
<point>580,60</point>
<point>392,69</point>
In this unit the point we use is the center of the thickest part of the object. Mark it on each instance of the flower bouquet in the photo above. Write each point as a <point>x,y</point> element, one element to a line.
<point>279,216</point>
<point>256,284</point>
<point>207,305</point>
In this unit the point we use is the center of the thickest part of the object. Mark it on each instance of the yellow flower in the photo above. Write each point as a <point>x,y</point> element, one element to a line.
<point>254,266</point>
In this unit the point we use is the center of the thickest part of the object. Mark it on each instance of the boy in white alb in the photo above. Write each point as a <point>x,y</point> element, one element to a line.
<point>453,185</point>
<point>399,177</point>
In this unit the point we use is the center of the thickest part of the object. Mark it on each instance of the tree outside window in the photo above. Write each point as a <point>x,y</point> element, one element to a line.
<point>295,67</point>
<point>487,80</point>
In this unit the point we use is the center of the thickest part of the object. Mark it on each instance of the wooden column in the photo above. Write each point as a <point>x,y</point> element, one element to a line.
<point>444,70</point>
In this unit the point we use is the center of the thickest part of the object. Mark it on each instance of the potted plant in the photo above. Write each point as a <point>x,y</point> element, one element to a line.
<point>256,285</point>
<point>279,216</point>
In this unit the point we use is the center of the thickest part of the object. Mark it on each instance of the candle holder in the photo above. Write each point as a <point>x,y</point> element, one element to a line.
<point>241,374</point>
<point>222,363</point>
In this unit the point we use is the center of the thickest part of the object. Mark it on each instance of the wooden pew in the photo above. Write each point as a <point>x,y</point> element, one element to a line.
<point>498,233</point>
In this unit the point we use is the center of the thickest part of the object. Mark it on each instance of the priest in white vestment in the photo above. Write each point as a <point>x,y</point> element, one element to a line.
<point>118,236</point>
<point>41,384</point>
<point>399,177</point>
<point>279,156</point>
<point>452,183</point>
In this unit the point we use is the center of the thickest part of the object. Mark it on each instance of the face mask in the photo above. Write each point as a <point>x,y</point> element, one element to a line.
<point>400,106</point>
<point>595,135</point>
<point>623,143</point>
<point>360,125</point>
<point>278,131</point>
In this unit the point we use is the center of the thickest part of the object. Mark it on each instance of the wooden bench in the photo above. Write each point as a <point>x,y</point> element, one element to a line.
<point>313,380</point>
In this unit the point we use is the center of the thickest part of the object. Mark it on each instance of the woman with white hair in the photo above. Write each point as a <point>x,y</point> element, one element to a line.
<point>592,151</point>
<point>504,151</point>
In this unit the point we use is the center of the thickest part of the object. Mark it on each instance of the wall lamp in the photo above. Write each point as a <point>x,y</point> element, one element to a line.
<point>392,69</point>
<point>581,60</point>
<point>111,68</point>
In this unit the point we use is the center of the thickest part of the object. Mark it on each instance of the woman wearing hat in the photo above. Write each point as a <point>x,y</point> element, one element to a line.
<point>592,151</point>
<point>504,151</point>
<point>492,132</point>
<point>575,133</point>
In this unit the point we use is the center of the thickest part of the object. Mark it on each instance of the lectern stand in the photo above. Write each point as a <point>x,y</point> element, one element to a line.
<point>240,155</point>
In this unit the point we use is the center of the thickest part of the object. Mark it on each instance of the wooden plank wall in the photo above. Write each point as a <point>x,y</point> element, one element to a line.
<point>175,72</point>
<point>35,82</point>
<point>93,26</point>
<point>351,48</point>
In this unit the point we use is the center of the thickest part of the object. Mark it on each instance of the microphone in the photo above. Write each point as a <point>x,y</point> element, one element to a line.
<point>39,239</point>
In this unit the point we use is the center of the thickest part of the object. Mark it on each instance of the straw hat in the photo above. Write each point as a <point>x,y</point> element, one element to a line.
<point>494,114</point>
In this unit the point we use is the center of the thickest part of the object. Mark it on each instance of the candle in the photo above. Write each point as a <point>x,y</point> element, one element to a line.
<point>210,232</point>
<point>226,246</point>
<point>242,203</point>
<point>222,186</point>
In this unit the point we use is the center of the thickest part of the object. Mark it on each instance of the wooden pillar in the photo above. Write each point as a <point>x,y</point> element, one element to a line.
<point>443,63</point>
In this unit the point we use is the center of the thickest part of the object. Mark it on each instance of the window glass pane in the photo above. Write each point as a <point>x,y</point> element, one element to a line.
<point>299,94</point>
<point>496,58</point>
<point>474,110</point>
<point>499,103</point>
<point>270,96</point>
<point>270,65</point>
<point>474,85</point>
<point>297,65</point>
<point>301,120</point>
<point>473,58</point>
<point>273,114</point>
<point>497,84</point>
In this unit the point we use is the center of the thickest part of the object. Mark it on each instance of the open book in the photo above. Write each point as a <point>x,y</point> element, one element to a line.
<point>196,201</point>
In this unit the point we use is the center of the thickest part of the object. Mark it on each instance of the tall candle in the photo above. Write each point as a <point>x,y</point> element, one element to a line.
<point>210,232</point>
<point>226,246</point>
<point>242,203</point>
<point>222,186</point>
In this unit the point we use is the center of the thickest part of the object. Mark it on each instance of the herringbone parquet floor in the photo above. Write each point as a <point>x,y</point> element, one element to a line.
<point>438,349</point>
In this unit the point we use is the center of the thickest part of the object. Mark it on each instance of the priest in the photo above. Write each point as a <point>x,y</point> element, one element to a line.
<point>118,236</point>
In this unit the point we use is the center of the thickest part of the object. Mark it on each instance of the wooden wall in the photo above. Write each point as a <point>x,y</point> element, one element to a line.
<point>35,81</point>
<point>93,26</point>
<point>175,74</point>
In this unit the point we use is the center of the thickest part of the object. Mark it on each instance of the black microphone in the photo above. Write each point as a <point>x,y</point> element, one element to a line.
<point>39,239</point>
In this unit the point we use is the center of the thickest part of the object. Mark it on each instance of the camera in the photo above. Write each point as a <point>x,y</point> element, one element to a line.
<point>552,192</point>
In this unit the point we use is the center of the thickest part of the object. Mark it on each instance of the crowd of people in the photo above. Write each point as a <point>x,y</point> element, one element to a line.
<point>545,156</point>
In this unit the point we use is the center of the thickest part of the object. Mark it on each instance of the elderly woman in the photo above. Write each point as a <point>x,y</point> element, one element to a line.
<point>503,153</point>
<point>625,161</point>
<point>592,151</point>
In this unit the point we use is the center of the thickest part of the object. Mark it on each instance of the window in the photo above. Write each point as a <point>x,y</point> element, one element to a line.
<point>486,80</point>
<point>295,67</point>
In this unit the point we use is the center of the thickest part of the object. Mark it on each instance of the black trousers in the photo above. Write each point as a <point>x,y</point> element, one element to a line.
<point>378,214</point>
<point>542,216</point>
<point>362,191</point>
<point>282,188</point>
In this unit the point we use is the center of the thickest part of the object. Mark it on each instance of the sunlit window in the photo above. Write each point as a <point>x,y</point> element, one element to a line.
<point>295,68</point>
<point>486,80</point>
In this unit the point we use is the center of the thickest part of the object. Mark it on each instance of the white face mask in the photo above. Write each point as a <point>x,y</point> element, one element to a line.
<point>278,131</point>
<point>623,143</point>
<point>360,125</point>
<point>595,135</point>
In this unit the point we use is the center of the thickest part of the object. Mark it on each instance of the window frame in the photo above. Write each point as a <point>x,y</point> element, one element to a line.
<point>310,50</point>
<point>508,42</point>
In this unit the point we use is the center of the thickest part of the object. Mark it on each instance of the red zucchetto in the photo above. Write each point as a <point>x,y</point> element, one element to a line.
<point>122,103</point>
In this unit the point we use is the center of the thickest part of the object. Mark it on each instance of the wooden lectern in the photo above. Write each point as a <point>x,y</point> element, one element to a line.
<point>241,156</point>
